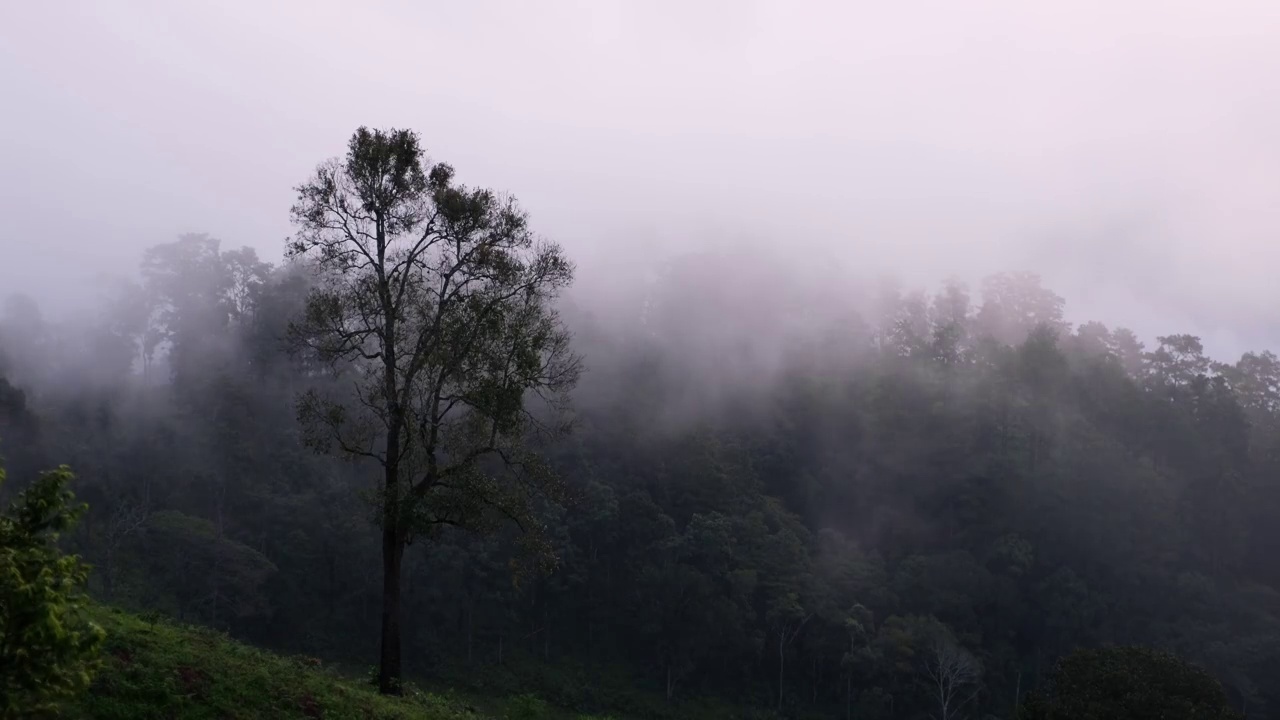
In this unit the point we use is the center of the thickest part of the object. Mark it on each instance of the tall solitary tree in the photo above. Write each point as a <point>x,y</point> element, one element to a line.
<point>434,312</point>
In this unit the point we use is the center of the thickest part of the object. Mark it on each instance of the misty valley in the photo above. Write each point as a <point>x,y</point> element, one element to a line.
<point>407,472</point>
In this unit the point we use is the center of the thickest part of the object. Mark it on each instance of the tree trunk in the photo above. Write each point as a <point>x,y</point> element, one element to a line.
<point>533,627</point>
<point>782,656</point>
<point>392,542</point>
<point>216,597</point>
<point>108,573</point>
<point>1017,694</point>
<point>848,696</point>
<point>470,625</point>
<point>389,666</point>
<point>332,564</point>
<point>217,558</point>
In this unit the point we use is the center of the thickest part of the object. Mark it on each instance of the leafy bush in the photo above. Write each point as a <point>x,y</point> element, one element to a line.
<point>48,648</point>
<point>1129,683</point>
<point>527,707</point>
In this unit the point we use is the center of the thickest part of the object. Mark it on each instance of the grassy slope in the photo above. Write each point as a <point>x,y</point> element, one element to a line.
<point>163,670</point>
<point>159,669</point>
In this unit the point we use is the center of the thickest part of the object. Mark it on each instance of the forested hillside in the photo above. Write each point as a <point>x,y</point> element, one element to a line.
<point>820,508</point>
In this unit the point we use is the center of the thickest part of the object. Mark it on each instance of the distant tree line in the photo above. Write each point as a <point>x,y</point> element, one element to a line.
<point>929,501</point>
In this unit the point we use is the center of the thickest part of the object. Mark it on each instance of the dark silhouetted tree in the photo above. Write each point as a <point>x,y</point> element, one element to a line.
<point>434,308</point>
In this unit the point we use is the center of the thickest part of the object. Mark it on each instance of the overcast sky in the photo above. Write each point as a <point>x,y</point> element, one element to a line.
<point>1128,151</point>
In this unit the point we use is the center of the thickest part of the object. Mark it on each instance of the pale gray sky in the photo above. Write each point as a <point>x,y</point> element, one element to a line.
<point>1127,150</point>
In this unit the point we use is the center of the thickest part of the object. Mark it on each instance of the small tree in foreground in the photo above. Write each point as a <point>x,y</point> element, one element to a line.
<point>434,316</point>
<point>48,650</point>
<point>1128,683</point>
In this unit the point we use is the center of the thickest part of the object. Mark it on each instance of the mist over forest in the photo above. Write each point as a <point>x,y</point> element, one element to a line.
<point>778,362</point>
<point>746,456</point>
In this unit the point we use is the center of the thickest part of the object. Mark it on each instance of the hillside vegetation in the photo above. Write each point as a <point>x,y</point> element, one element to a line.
<point>809,500</point>
<point>154,668</point>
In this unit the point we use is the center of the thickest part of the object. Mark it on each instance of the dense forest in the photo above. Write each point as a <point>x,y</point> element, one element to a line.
<point>827,501</point>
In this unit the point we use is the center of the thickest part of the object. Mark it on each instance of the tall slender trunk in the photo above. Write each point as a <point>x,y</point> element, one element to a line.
<point>1017,694</point>
<point>533,626</point>
<point>392,540</point>
<point>217,557</point>
<point>848,696</point>
<point>331,564</point>
<point>389,661</point>
<point>108,572</point>
<point>470,625</point>
<point>782,659</point>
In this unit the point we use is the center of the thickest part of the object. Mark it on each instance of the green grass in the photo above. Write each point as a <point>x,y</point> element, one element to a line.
<point>162,670</point>
<point>153,668</point>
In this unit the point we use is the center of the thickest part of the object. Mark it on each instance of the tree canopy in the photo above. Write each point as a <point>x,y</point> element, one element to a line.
<point>432,314</point>
<point>918,484</point>
<point>1129,683</point>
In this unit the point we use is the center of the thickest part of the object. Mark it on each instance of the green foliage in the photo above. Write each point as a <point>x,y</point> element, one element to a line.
<point>156,669</point>
<point>437,308</point>
<point>164,670</point>
<point>48,648</point>
<point>1129,683</point>
<point>212,576</point>
<point>934,467</point>
<point>527,707</point>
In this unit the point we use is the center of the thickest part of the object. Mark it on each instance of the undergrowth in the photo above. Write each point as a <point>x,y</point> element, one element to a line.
<point>157,669</point>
